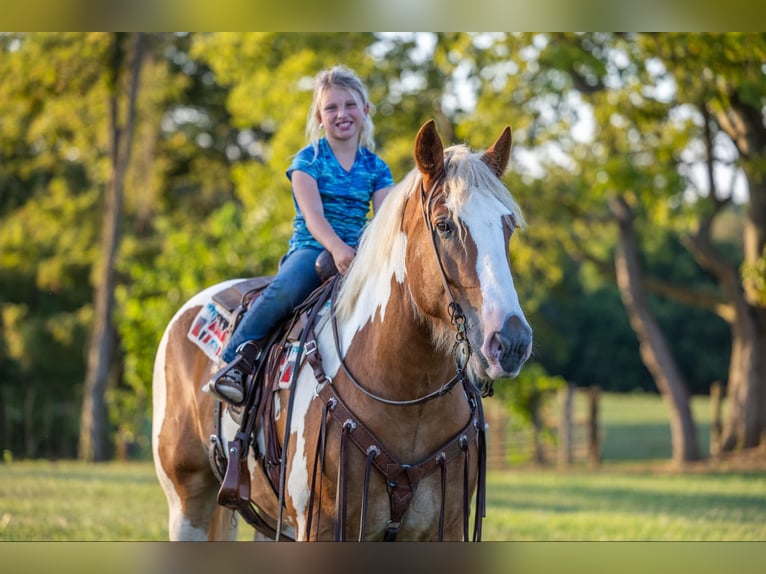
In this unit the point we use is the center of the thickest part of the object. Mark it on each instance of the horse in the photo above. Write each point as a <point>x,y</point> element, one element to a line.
<point>413,335</point>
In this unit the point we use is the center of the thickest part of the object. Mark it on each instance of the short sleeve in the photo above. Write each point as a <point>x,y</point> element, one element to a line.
<point>305,161</point>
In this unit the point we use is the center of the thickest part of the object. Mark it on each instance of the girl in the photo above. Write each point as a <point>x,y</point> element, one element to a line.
<point>333,180</point>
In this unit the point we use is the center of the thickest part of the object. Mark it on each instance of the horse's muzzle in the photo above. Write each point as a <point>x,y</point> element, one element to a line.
<point>508,349</point>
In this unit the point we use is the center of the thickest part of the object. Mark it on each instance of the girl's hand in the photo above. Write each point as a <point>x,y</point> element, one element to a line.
<point>343,255</point>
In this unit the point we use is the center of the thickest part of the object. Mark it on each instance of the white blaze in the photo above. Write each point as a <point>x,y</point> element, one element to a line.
<point>483,216</point>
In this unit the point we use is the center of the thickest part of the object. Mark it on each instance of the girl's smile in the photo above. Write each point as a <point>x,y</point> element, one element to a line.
<point>341,114</point>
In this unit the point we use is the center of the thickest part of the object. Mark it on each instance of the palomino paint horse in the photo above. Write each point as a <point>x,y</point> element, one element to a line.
<point>428,302</point>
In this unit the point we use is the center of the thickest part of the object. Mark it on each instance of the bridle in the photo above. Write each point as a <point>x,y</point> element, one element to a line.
<point>461,350</point>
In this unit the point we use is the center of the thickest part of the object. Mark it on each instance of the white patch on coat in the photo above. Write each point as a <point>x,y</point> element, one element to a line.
<point>373,297</point>
<point>299,477</point>
<point>179,527</point>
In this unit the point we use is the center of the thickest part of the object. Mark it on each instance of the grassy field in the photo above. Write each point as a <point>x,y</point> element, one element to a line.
<point>634,496</point>
<point>635,427</point>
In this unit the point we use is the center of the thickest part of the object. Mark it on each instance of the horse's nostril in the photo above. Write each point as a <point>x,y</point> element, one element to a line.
<point>514,343</point>
<point>510,347</point>
<point>503,344</point>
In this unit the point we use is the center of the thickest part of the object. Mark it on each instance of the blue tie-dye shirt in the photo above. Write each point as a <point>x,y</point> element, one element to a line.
<point>345,194</point>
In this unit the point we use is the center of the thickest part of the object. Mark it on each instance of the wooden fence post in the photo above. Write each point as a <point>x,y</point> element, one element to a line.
<point>594,440</point>
<point>565,435</point>
<point>538,454</point>
<point>498,437</point>
<point>716,427</point>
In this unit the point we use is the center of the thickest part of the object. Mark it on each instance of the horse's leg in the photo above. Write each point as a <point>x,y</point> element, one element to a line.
<point>224,525</point>
<point>193,511</point>
<point>182,421</point>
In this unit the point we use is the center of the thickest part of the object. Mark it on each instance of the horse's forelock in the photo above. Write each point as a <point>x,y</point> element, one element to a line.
<point>468,174</point>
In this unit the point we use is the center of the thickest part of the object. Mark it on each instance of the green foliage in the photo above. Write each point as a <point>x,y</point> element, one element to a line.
<point>583,314</point>
<point>221,114</point>
<point>524,395</point>
<point>754,278</point>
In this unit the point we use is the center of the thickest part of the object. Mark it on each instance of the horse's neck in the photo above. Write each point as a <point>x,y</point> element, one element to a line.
<point>395,357</point>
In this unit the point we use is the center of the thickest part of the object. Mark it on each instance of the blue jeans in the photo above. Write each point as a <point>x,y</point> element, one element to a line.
<point>294,281</point>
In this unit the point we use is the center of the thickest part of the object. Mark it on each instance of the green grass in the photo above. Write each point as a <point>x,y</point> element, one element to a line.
<point>75,501</point>
<point>44,501</point>
<point>632,497</point>
<point>636,426</point>
<point>617,504</point>
<point>633,427</point>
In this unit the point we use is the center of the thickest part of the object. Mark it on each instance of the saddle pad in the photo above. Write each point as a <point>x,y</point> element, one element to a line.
<point>288,357</point>
<point>287,364</point>
<point>210,330</point>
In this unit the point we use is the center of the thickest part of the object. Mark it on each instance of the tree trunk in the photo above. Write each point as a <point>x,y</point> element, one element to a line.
<point>538,449</point>
<point>653,346</point>
<point>30,434</point>
<point>745,424</point>
<point>93,444</point>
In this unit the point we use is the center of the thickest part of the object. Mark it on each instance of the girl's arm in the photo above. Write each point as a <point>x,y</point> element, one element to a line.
<point>306,194</point>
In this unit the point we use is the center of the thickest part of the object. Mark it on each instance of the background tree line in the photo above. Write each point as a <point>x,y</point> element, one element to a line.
<point>136,169</point>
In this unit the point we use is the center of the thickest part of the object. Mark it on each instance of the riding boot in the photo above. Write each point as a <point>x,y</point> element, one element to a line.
<point>228,383</point>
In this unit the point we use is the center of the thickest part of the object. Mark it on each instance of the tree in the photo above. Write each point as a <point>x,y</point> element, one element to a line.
<point>721,76</point>
<point>49,158</point>
<point>653,100</point>
<point>93,423</point>
<point>216,119</point>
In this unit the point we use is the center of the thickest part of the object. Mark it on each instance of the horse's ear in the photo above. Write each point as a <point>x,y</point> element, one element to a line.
<point>497,156</point>
<point>429,151</point>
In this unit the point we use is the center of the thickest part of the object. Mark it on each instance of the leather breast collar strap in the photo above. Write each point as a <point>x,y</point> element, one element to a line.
<point>402,479</point>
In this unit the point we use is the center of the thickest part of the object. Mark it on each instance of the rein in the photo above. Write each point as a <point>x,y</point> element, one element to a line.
<point>440,392</point>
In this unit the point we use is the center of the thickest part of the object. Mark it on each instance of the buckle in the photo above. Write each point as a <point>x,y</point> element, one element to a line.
<point>311,347</point>
<point>327,380</point>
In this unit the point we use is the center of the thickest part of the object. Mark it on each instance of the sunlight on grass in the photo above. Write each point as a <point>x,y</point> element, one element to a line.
<point>613,505</point>
<point>75,501</point>
<point>41,501</point>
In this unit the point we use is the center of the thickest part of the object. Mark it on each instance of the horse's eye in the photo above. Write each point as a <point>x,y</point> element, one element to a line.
<point>443,227</point>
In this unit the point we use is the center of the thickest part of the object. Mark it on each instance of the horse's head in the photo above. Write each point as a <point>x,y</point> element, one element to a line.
<point>458,233</point>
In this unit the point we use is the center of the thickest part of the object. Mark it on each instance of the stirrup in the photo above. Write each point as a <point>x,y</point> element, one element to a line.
<point>228,384</point>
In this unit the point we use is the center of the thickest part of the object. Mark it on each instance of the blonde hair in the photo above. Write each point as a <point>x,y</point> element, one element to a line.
<point>344,78</point>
